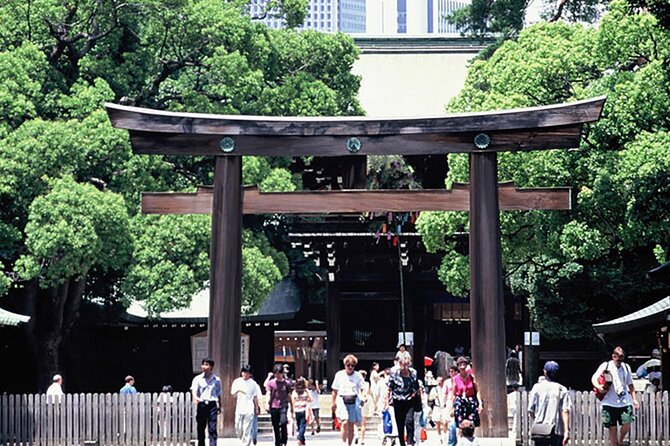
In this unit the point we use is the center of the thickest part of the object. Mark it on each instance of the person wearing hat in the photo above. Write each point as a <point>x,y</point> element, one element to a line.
<point>245,390</point>
<point>652,368</point>
<point>549,403</point>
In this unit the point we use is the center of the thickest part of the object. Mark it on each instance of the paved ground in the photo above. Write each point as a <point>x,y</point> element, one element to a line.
<point>328,437</point>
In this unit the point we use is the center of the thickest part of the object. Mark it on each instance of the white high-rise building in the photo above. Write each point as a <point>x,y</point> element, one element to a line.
<point>375,17</point>
<point>441,8</point>
<point>413,17</point>
<point>352,16</point>
<point>381,17</point>
<point>322,15</point>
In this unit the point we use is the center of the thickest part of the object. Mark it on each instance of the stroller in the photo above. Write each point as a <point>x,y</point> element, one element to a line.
<point>388,429</point>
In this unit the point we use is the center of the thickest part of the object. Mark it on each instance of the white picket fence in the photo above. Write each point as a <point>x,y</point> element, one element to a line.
<point>158,419</point>
<point>97,419</point>
<point>651,426</point>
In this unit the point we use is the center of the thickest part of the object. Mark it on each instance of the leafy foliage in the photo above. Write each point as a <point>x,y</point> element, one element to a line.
<point>587,265</point>
<point>69,183</point>
<point>486,18</point>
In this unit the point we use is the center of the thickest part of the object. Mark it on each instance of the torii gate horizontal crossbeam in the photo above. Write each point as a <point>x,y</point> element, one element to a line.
<point>354,201</point>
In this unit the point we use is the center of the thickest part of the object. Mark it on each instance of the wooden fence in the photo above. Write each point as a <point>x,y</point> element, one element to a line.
<point>99,419</point>
<point>159,419</point>
<point>650,428</point>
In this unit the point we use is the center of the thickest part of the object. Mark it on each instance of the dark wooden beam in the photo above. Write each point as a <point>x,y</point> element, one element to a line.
<point>557,115</point>
<point>225,277</point>
<point>156,143</point>
<point>310,202</point>
<point>487,330</point>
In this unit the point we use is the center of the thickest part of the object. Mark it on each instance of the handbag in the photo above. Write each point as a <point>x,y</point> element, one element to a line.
<point>605,380</point>
<point>386,422</point>
<point>541,431</point>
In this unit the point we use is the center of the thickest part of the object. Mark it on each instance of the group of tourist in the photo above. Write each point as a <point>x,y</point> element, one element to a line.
<point>286,398</point>
<point>447,403</point>
<point>550,404</point>
<point>399,391</point>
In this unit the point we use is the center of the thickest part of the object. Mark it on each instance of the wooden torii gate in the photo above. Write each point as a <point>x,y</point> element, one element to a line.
<point>481,135</point>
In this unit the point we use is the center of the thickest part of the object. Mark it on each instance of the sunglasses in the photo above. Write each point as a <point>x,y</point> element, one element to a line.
<point>350,365</point>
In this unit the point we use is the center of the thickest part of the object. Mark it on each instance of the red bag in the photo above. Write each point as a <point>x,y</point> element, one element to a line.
<point>605,380</point>
<point>423,435</point>
<point>336,422</point>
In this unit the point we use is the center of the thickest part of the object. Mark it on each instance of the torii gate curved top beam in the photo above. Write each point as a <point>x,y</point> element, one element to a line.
<point>553,126</point>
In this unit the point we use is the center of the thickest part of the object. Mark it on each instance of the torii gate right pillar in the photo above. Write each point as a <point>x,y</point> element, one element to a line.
<point>487,327</point>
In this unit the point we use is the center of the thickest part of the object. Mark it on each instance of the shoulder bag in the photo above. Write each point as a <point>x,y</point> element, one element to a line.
<point>541,431</point>
<point>605,380</point>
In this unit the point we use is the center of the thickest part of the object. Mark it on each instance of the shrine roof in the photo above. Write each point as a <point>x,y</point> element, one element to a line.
<point>12,319</point>
<point>656,312</point>
<point>282,303</point>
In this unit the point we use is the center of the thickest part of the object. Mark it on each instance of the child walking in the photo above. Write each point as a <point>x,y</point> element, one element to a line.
<point>314,391</point>
<point>301,401</point>
<point>467,434</point>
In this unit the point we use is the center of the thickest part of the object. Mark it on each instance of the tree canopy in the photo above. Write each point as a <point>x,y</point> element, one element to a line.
<point>70,227</point>
<point>504,19</point>
<point>589,264</point>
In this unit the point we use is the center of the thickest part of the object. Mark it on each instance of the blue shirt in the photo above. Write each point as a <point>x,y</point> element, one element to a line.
<point>206,389</point>
<point>127,390</point>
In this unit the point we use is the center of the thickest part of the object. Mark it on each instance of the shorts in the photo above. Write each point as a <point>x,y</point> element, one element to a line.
<point>350,412</point>
<point>439,414</point>
<point>613,416</point>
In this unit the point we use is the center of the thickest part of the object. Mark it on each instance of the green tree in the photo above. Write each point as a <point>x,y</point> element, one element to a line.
<point>589,264</point>
<point>66,176</point>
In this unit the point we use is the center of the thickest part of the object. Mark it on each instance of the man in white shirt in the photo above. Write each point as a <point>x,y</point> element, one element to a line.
<point>620,400</point>
<point>347,387</point>
<point>206,391</point>
<point>55,390</point>
<point>245,390</point>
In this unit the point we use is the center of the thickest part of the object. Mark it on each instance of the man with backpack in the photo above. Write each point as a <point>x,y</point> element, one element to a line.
<point>620,398</point>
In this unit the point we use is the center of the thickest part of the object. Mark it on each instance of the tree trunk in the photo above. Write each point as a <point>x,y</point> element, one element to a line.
<point>53,311</point>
